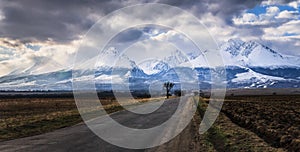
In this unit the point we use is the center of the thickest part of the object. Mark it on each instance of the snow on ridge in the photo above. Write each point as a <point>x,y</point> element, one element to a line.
<point>235,52</point>
<point>153,66</point>
<point>250,75</point>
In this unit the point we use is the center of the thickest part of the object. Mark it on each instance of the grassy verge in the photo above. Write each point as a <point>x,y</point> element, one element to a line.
<point>214,135</point>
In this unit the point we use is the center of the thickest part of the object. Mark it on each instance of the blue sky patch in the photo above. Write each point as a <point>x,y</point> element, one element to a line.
<point>290,34</point>
<point>257,10</point>
<point>285,7</point>
<point>33,47</point>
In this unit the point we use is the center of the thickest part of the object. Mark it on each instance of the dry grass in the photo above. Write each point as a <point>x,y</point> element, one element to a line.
<point>31,116</point>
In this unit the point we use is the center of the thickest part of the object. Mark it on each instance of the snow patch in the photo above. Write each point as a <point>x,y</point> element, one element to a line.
<point>251,76</point>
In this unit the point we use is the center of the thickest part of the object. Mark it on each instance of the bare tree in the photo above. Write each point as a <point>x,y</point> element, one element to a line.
<point>168,86</point>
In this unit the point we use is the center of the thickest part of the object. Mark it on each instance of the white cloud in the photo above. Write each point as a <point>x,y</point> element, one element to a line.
<point>272,10</point>
<point>278,29</point>
<point>247,18</point>
<point>146,49</point>
<point>294,4</point>
<point>285,37</point>
<point>291,27</point>
<point>273,2</point>
<point>4,57</point>
<point>281,28</point>
<point>287,15</point>
<point>166,36</point>
<point>1,16</point>
<point>269,17</point>
<point>218,28</point>
<point>15,57</point>
<point>290,30</point>
<point>180,21</point>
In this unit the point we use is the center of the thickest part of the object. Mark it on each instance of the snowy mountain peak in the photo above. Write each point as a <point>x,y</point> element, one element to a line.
<point>248,64</point>
<point>239,53</point>
<point>238,47</point>
<point>151,67</point>
<point>247,48</point>
<point>112,57</point>
<point>235,41</point>
<point>232,46</point>
<point>175,59</point>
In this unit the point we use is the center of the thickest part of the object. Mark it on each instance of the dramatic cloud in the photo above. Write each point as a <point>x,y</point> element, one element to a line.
<point>287,33</point>
<point>224,9</point>
<point>276,24</point>
<point>51,20</point>
<point>129,35</point>
<point>64,21</point>
<point>34,32</point>
<point>273,15</point>
<point>16,57</point>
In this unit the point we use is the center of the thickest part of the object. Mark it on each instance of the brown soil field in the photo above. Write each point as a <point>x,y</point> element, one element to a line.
<point>225,135</point>
<point>276,119</point>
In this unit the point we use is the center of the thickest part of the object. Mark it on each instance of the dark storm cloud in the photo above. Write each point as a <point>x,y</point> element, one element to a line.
<point>60,21</point>
<point>64,20</point>
<point>224,8</point>
<point>229,8</point>
<point>129,35</point>
<point>287,1</point>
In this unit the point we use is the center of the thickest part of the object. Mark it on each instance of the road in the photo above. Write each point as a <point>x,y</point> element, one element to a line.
<point>81,138</point>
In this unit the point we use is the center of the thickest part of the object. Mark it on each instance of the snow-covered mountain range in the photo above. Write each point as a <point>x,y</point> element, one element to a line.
<point>248,65</point>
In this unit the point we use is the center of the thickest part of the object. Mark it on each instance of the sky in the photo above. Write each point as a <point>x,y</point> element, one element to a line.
<point>42,32</point>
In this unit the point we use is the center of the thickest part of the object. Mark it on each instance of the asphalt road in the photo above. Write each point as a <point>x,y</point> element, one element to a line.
<point>81,138</point>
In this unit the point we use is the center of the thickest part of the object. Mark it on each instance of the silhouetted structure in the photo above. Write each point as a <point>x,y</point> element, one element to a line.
<point>178,93</point>
<point>168,86</point>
